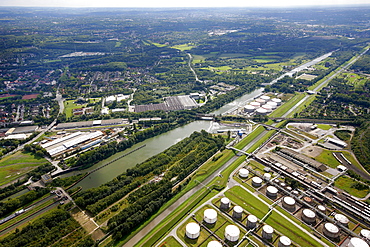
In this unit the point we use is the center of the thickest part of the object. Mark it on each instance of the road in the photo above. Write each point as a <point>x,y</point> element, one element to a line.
<point>191,67</point>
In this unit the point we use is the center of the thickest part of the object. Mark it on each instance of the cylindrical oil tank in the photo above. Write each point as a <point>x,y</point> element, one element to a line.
<point>249,108</point>
<point>255,104</point>
<point>265,98</point>
<point>261,101</point>
<point>365,233</point>
<point>341,219</point>
<point>296,193</point>
<point>225,203</point>
<point>232,233</point>
<point>261,111</point>
<point>282,184</point>
<point>267,107</point>
<point>284,241</point>
<point>271,191</point>
<point>330,230</point>
<point>322,209</point>
<point>308,216</point>
<point>357,242</point>
<point>272,104</point>
<point>256,181</point>
<point>267,231</point>
<point>243,173</point>
<point>278,101</point>
<point>210,216</point>
<point>267,176</point>
<point>289,203</point>
<point>237,212</point>
<point>214,244</point>
<point>251,221</point>
<point>289,188</point>
<point>192,230</point>
<point>307,199</point>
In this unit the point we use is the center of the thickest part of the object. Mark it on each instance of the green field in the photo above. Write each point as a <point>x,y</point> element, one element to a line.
<point>69,105</point>
<point>183,47</point>
<point>347,183</point>
<point>324,126</point>
<point>16,165</point>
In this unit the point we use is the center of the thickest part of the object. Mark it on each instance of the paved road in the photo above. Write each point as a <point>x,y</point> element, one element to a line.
<point>191,68</point>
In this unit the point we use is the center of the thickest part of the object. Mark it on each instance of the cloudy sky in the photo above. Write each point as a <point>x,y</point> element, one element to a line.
<point>177,3</point>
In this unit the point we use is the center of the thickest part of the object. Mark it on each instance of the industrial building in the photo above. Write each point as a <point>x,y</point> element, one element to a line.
<point>92,123</point>
<point>173,103</point>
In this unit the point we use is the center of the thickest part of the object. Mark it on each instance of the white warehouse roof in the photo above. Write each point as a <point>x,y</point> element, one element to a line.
<point>48,144</point>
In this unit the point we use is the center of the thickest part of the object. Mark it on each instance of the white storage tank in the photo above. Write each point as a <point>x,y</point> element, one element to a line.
<point>289,188</point>
<point>214,243</point>
<point>357,242</point>
<point>308,216</point>
<point>192,230</point>
<point>282,184</point>
<point>284,241</point>
<point>267,231</point>
<point>267,176</point>
<point>296,193</point>
<point>243,173</point>
<point>251,221</point>
<point>249,108</point>
<point>210,216</point>
<point>330,230</point>
<point>232,233</point>
<point>365,233</point>
<point>271,191</point>
<point>265,98</point>
<point>267,107</point>
<point>255,104</point>
<point>341,219</point>
<point>256,181</point>
<point>322,209</point>
<point>261,101</point>
<point>237,212</point>
<point>225,203</point>
<point>277,101</point>
<point>289,203</point>
<point>261,111</point>
<point>272,104</point>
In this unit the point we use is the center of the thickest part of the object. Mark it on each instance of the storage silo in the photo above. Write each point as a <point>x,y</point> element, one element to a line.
<point>267,176</point>
<point>330,230</point>
<point>322,209</point>
<point>289,203</point>
<point>210,216</point>
<point>308,216</point>
<point>192,230</point>
<point>267,231</point>
<point>357,242</point>
<point>255,104</point>
<point>261,111</point>
<point>251,221</point>
<point>267,107</point>
<point>277,101</point>
<point>284,241</point>
<point>243,173</point>
<point>237,212</point>
<point>225,203</point>
<point>272,104</point>
<point>214,243</point>
<point>271,191</point>
<point>232,233</point>
<point>249,108</point>
<point>365,233</point>
<point>265,98</point>
<point>256,181</point>
<point>341,219</point>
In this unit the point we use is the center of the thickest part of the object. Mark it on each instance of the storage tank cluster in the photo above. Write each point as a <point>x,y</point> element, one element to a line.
<point>210,216</point>
<point>330,230</point>
<point>232,233</point>
<point>237,212</point>
<point>192,230</point>
<point>225,203</point>
<point>271,191</point>
<point>256,181</point>
<point>251,221</point>
<point>263,105</point>
<point>289,203</point>
<point>308,216</point>
<point>243,173</point>
<point>267,231</point>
